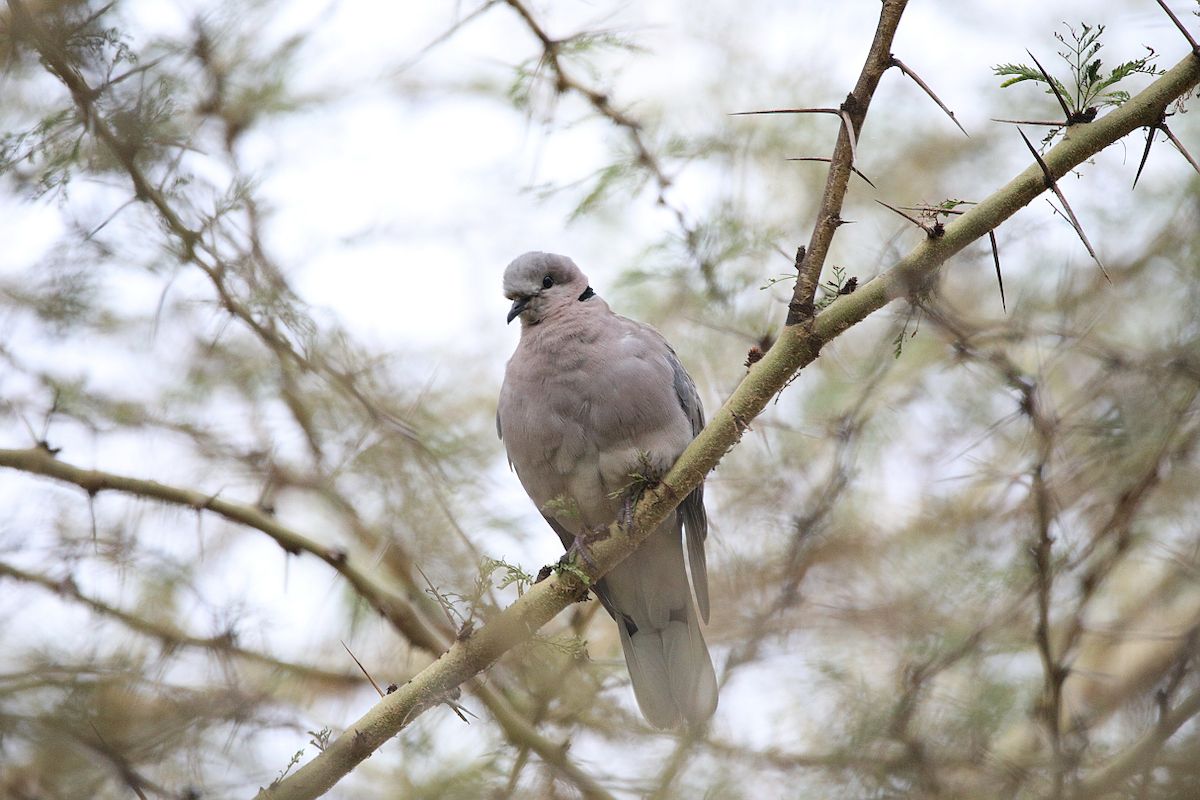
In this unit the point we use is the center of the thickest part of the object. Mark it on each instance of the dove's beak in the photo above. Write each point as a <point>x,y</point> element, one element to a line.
<point>517,307</point>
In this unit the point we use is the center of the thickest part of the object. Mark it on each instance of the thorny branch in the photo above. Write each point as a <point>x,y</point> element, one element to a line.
<point>829,219</point>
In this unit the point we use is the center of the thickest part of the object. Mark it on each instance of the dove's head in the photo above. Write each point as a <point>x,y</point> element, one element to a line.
<point>541,283</point>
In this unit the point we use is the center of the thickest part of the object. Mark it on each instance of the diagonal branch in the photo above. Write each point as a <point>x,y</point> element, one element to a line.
<point>1141,755</point>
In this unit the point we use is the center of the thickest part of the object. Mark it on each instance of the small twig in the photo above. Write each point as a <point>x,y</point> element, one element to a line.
<point>830,161</point>
<point>850,133</point>
<point>1183,30</point>
<point>999,277</point>
<point>1150,129</point>
<point>1052,184</point>
<point>934,210</point>
<point>931,231</point>
<point>787,111</point>
<point>222,645</point>
<point>1047,123</point>
<point>1054,87</point>
<point>364,669</point>
<point>438,597</point>
<point>904,68</point>
<point>444,36</point>
<point>130,777</point>
<point>130,73</point>
<point>1163,127</point>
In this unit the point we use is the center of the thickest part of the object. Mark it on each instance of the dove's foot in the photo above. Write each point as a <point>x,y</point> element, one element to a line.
<point>581,543</point>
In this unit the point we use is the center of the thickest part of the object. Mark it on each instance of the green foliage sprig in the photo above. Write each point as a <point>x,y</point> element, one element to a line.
<point>1089,89</point>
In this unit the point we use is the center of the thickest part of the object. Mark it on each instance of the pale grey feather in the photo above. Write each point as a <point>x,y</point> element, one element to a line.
<point>589,399</point>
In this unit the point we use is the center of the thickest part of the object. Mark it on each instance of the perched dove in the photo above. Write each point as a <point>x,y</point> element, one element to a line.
<point>591,399</point>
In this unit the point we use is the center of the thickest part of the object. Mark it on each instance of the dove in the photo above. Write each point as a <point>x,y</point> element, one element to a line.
<point>593,406</point>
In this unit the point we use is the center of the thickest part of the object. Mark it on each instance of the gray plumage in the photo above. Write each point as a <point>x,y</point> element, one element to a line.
<point>589,399</point>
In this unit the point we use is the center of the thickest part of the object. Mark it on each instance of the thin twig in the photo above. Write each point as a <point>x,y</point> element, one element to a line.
<point>1179,145</point>
<point>1054,87</point>
<point>169,636</point>
<point>849,127</point>
<point>904,68</point>
<point>364,669</point>
<point>833,111</point>
<point>1047,123</point>
<point>930,231</point>
<point>999,277</point>
<point>1052,184</point>
<point>444,36</point>
<point>829,160</point>
<point>1150,129</point>
<point>801,307</point>
<point>1053,672</point>
<point>1182,29</point>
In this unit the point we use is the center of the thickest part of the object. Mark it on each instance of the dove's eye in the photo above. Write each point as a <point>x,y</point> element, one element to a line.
<point>547,282</point>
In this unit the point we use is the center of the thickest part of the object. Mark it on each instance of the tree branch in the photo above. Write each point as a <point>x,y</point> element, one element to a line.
<point>171,636</point>
<point>829,216</point>
<point>397,610</point>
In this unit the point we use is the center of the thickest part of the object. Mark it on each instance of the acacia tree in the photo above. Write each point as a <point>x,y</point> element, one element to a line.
<point>976,578</point>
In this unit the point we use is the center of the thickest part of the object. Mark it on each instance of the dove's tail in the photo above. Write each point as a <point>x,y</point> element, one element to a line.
<point>672,673</point>
<point>669,664</point>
